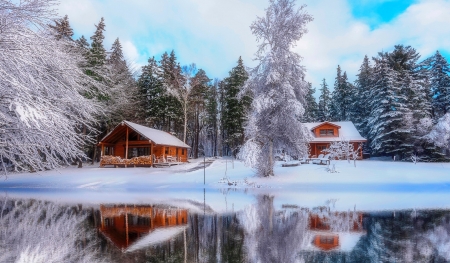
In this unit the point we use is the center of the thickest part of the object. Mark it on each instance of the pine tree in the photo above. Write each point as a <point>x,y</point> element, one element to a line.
<point>324,105</point>
<point>342,97</point>
<point>440,84</point>
<point>62,28</point>
<point>312,108</point>
<point>159,108</point>
<point>123,88</point>
<point>97,56</point>
<point>235,109</point>
<point>361,111</point>
<point>386,131</point>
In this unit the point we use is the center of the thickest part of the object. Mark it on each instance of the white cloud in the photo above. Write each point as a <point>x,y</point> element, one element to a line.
<point>213,34</point>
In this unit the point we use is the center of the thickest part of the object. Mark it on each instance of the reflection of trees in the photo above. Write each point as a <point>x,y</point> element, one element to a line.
<point>273,236</point>
<point>36,231</point>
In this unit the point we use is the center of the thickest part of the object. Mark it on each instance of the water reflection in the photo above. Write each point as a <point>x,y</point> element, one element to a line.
<point>262,232</point>
<point>133,227</point>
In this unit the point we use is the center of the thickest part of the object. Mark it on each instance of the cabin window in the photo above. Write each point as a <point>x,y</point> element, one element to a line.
<point>109,151</point>
<point>138,151</point>
<point>167,150</point>
<point>326,240</point>
<point>182,151</point>
<point>109,222</point>
<point>326,132</point>
<point>320,148</point>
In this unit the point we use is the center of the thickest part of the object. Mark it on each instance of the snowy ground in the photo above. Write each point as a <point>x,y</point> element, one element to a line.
<point>371,185</point>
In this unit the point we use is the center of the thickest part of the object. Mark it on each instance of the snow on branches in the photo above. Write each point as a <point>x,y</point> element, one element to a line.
<point>41,92</point>
<point>343,150</point>
<point>277,86</point>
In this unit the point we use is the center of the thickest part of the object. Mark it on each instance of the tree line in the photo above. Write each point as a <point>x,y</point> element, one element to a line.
<point>395,102</point>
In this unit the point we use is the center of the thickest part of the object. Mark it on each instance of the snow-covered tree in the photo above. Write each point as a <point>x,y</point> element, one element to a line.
<point>361,111</point>
<point>439,75</point>
<point>41,101</point>
<point>324,102</point>
<point>234,109</point>
<point>312,108</point>
<point>278,88</point>
<point>387,110</point>
<point>342,97</point>
<point>62,28</point>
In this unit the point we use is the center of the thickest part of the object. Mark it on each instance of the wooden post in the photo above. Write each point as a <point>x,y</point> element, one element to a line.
<point>126,217</point>
<point>151,153</point>
<point>103,150</point>
<point>126,146</point>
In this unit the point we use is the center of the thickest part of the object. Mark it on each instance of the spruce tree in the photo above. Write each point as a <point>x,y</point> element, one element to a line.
<point>361,111</point>
<point>440,84</point>
<point>311,107</point>
<point>159,110</point>
<point>97,56</point>
<point>235,109</point>
<point>386,131</point>
<point>62,28</point>
<point>342,97</point>
<point>324,105</point>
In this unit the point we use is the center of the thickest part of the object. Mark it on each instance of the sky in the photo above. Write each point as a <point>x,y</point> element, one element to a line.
<point>214,33</point>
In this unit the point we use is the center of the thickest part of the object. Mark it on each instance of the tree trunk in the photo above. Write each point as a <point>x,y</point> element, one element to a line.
<point>270,166</point>
<point>185,121</point>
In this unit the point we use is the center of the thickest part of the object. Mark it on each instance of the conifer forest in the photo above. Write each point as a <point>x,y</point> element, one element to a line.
<point>60,95</point>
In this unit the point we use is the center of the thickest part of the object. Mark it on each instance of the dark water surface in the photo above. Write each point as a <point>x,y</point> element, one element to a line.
<point>192,231</point>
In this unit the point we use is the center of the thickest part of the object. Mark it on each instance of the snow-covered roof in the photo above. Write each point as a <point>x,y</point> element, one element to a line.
<point>156,136</point>
<point>157,236</point>
<point>347,131</point>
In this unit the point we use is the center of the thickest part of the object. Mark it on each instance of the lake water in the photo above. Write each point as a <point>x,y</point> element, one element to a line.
<point>242,227</point>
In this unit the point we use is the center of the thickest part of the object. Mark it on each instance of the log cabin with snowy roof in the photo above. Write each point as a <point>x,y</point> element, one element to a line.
<point>324,133</point>
<point>131,145</point>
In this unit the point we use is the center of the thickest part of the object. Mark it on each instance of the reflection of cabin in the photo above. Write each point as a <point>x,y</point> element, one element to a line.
<point>131,144</point>
<point>324,133</point>
<point>338,231</point>
<point>134,227</point>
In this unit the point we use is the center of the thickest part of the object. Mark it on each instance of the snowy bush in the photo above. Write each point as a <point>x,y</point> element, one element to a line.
<point>342,150</point>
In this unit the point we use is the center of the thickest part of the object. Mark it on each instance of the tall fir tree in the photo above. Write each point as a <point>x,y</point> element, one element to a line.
<point>97,56</point>
<point>439,77</point>
<point>235,109</point>
<point>324,105</point>
<point>159,109</point>
<point>312,108</point>
<point>361,111</point>
<point>342,97</point>
<point>386,131</point>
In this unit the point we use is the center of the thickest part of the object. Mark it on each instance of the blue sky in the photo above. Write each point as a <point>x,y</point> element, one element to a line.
<point>214,33</point>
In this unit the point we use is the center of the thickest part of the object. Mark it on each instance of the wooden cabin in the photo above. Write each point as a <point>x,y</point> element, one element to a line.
<point>128,225</point>
<point>131,144</point>
<point>324,133</point>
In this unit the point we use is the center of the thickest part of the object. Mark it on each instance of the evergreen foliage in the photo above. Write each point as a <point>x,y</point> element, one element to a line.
<point>311,107</point>
<point>62,28</point>
<point>324,106</point>
<point>234,109</point>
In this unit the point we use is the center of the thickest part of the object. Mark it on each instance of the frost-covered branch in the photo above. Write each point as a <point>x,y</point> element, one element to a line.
<point>42,88</point>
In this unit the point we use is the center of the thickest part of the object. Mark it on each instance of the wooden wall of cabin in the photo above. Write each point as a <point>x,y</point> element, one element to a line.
<point>172,151</point>
<point>326,127</point>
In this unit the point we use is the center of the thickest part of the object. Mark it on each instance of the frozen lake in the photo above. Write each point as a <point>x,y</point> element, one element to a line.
<point>303,214</point>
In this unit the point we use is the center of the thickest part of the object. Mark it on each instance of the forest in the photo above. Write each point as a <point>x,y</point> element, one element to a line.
<point>60,96</point>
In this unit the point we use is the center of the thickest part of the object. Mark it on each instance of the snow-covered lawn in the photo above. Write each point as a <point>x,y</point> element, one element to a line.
<point>371,185</point>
